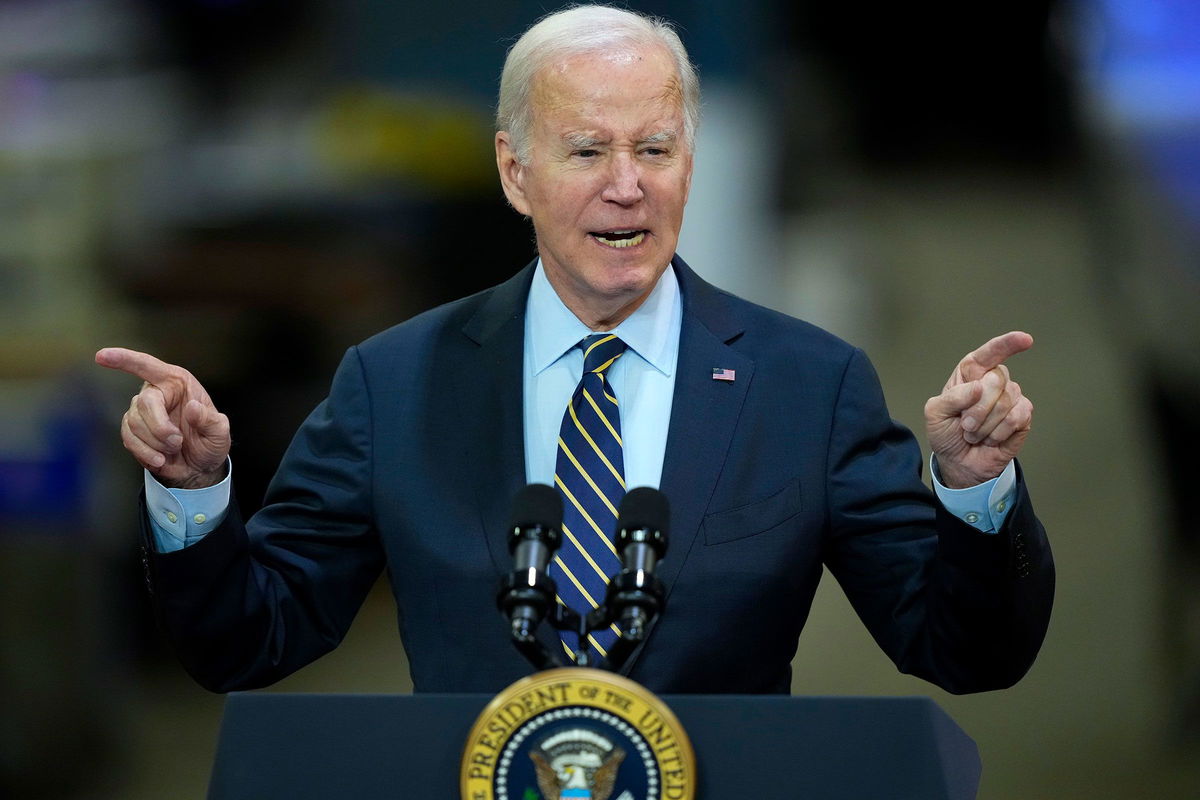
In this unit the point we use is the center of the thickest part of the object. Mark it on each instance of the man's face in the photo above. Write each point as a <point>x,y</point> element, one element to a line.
<point>608,177</point>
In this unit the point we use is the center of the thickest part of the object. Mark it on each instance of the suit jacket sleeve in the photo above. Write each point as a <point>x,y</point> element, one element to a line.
<point>251,603</point>
<point>948,603</point>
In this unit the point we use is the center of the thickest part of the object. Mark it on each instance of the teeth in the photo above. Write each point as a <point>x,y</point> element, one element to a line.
<point>630,242</point>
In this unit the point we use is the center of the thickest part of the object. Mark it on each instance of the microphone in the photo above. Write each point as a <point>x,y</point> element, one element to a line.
<point>642,542</point>
<point>533,536</point>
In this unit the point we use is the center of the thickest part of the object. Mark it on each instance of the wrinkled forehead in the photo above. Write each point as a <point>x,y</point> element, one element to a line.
<point>609,77</point>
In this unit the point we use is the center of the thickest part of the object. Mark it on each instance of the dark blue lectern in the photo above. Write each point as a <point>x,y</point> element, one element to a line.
<point>300,746</point>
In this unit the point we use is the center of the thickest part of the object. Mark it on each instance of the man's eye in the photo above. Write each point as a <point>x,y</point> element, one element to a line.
<point>654,151</point>
<point>587,153</point>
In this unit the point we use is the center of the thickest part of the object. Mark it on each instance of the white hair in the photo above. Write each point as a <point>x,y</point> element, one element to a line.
<point>579,30</point>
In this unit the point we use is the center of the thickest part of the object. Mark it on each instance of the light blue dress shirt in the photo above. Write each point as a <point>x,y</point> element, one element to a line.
<point>643,380</point>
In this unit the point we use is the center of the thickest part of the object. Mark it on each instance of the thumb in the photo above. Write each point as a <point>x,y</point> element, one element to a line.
<point>206,421</point>
<point>954,400</point>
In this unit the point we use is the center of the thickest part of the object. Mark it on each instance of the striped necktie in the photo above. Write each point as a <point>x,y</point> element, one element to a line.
<point>590,473</point>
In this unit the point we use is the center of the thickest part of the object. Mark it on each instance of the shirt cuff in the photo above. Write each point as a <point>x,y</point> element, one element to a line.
<point>984,506</point>
<point>181,517</point>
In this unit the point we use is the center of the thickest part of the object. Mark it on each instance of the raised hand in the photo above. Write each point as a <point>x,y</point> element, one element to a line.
<point>172,427</point>
<point>981,419</point>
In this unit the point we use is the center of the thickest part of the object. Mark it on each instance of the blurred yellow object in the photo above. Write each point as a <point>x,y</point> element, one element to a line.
<point>377,133</point>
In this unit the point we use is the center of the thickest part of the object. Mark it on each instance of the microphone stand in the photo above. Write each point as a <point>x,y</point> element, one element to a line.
<point>534,590</point>
<point>634,600</point>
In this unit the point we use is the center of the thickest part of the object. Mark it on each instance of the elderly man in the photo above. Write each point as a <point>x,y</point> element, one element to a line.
<point>605,364</point>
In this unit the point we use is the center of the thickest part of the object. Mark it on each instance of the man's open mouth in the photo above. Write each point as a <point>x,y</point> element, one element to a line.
<point>619,238</point>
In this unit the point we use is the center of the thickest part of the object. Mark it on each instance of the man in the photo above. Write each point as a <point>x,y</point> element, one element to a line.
<point>770,438</point>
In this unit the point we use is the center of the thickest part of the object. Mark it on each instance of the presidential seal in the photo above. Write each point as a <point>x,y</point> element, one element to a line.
<point>577,734</point>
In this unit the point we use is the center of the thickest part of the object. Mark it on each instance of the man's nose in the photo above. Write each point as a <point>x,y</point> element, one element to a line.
<point>624,181</point>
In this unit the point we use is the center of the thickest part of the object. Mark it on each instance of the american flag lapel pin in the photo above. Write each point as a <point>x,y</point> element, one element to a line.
<point>720,374</point>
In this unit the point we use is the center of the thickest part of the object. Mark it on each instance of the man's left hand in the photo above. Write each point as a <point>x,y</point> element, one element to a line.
<point>981,419</point>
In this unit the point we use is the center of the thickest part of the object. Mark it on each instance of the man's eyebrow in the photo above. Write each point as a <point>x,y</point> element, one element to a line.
<point>580,140</point>
<point>660,137</point>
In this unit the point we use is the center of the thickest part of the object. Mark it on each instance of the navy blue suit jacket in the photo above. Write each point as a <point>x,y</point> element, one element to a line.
<point>411,463</point>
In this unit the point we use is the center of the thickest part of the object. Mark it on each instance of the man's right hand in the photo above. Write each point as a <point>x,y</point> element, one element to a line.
<point>172,427</point>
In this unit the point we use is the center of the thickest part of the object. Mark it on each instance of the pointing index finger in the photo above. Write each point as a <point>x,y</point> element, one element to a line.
<point>140,365</point>
<point>995,351</point>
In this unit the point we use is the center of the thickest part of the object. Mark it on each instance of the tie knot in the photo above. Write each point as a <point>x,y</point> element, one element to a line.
<point>600,350</point>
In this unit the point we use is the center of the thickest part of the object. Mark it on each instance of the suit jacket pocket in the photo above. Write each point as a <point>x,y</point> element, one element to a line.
<point>753,518</point>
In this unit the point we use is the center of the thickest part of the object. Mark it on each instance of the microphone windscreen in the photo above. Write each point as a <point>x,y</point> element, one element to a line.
<point>646,508</point>
<point>537,504</point>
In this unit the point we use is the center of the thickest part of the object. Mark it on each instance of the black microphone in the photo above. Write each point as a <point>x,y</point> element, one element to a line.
<point>533,536</point>
<point>642,542</point>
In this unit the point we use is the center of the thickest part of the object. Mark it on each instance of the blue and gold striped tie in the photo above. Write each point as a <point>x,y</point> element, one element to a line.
<point>590,473</point>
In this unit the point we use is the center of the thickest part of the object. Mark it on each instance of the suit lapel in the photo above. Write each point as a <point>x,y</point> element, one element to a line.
<point>704,414</point>
<point>493,395</point>
<point>493,390</point>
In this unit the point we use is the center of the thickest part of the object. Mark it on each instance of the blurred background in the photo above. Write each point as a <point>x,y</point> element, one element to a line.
<point>248,187</point>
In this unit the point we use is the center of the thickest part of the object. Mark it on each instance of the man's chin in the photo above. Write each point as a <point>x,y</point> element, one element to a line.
<point>612,284</point>
<point>630,283</point>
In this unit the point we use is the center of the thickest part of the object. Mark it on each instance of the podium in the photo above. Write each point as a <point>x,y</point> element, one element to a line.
<point>301,746</point>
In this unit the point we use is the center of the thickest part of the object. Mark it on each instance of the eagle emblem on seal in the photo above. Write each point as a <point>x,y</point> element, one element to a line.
<point>576,764</point>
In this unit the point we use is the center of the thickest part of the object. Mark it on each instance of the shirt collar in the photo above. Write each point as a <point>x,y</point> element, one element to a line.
<point>554,329</point>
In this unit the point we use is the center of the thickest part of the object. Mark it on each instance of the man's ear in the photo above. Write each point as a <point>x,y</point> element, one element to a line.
<point>687,186</point>
<point>512,173</point>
